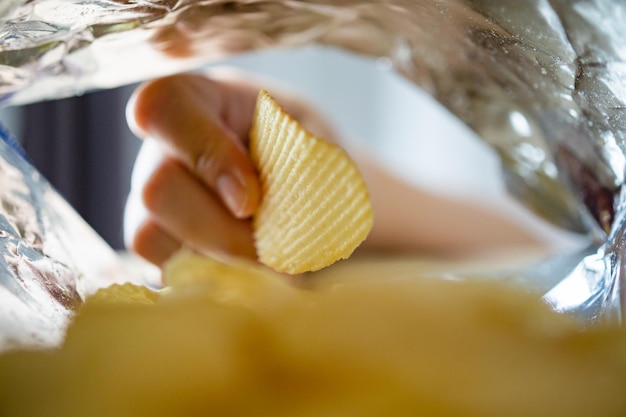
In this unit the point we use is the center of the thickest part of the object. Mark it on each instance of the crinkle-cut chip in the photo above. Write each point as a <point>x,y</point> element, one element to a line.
<point>315,208</point>
<point>124,293</point>
<point>229,280</point>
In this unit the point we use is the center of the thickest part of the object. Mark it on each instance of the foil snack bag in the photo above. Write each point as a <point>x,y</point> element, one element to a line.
<point>50,258</point>
<point>543,82</point>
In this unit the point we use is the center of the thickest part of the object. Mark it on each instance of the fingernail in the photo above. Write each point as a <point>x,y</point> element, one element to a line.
<point>233,193</point>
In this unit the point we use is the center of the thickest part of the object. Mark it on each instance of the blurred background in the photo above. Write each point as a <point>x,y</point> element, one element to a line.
<point>84,148</point>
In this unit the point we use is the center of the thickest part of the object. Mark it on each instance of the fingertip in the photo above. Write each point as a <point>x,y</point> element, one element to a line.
<point>144,106</point>
<point>240,193</point>
<point>153,244</point>
<point>156,100</point>
<point>145,103</point>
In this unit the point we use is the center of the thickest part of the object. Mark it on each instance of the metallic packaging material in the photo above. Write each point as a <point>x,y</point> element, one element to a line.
<point>543,82</point>
<point>50,259</point>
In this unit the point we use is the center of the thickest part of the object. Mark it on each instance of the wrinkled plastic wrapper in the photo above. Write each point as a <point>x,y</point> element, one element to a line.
<point>541,81</point>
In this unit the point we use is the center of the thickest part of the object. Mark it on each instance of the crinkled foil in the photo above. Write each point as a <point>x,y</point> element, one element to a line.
<point>541,81</point>
<point>49,257</point>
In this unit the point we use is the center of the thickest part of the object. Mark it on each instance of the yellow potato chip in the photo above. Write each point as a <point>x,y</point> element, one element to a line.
<point>124,293</point>
<point>315,208</point>
<point>230,281</point>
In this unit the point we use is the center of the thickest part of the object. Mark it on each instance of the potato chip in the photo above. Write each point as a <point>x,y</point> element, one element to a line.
<point>315,208</point>
<point>388,348</point>
<point>230,280</point>
<point>124,293</point>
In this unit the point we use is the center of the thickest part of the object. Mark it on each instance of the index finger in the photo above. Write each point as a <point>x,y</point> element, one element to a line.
<point>189,114</point>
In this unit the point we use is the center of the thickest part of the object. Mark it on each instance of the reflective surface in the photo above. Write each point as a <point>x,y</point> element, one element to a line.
<point>49,257</point>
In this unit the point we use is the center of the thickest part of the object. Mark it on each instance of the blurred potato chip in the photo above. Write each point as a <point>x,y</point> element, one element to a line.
<point>231,280</point>
<point>385,348</point>
<point>124,293</point>
<point>315,208</point>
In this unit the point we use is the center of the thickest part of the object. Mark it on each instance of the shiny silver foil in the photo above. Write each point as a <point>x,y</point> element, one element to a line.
<point>541,81</point>
<point>50,259</point>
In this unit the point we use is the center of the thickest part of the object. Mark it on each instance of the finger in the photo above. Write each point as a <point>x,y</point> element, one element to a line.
<point>150,156</point>
<point>181,206</point>
<point>152,243</point>
<point>187,113</point>
<point>141,234</point>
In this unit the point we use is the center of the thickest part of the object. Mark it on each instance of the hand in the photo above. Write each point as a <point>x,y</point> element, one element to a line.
<point>194,183</point>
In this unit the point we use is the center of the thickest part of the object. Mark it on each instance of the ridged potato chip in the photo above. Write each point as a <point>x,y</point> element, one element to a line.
<point>124,293</point>
<point>315,208</point>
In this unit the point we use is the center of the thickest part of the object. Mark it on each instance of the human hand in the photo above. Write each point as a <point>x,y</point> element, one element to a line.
<point>194,183</point>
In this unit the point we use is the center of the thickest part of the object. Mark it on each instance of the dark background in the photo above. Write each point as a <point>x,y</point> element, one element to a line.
<point>83,146</point>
